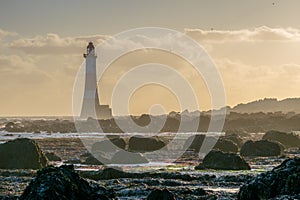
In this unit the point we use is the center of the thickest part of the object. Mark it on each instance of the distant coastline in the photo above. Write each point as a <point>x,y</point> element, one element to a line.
<point>266,105</point>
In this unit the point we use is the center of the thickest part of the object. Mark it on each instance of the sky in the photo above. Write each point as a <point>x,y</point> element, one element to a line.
<point>255,45</point>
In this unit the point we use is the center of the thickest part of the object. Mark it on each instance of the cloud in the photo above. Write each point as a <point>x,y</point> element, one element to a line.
<point>14,63</point>
<point>4,33</point>
<point>18,69</point>
<point>248,73</point>
<point>245,82</point>
<point>54,44</point>
<point>258,34</point>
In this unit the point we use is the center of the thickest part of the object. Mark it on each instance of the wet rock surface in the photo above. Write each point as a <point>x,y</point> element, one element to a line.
<point>21,154</point>
<point>180,184</point>
<point>63,183</point>
<point>263,148</point>
<point>159,194</point>
<point>183,182</point>
<point>282,180</point>
<point>98,160</point>
<point>197,186</point>
<point>226,146</point>
<point>235,139</point>
<point>180,179</point>
<point>115,173</point>
<point>144,144</point>
<point>223,144</point>
<point>110,145</point>
<point>223,161</point>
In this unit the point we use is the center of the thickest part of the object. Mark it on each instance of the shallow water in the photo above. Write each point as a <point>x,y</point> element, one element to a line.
<point>4,135</point>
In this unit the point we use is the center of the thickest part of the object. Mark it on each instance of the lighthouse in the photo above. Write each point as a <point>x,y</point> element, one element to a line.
<point>91,106</point>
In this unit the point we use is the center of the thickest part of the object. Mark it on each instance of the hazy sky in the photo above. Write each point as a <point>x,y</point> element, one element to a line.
<point>255,44</point>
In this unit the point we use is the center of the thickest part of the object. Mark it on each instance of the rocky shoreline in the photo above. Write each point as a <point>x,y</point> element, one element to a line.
<point>241,123</point>
<point>222,174</point>
<point>130,186</point>
<point>183,182</point>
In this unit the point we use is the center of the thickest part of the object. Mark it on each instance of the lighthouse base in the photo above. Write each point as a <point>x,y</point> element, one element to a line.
<point>103,112</point>
<point>91,109</point>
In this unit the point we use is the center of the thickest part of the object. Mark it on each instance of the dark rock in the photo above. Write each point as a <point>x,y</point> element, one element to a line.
<point>52,156</point>
<point>8,197</point>
<point>196,191</point>
<point>223,161</point>
<point>287,197</point>
<point>54,183</point>
<point>158,194</point>
<point>73,161</point>
<point>287,139</point>
<point>235,139</point>
<point>85,155</point>
<point>91,160</point>
<point>262,148</point>
<point>22,153</point>
<point>125,157</point>
<point>234,180</point>
<point>282,180</point>
<point>226,146</point>
<point>143,144</point>
<point>98,160</point>
<point>114,173</point>
<point>143,120</point>
<point>170,183</point>
<point>171,124</point>
<point>194,142</point>
<point>109,145</point>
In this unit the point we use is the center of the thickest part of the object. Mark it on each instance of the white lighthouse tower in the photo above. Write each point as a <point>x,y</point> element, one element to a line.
<point>91,106</point>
